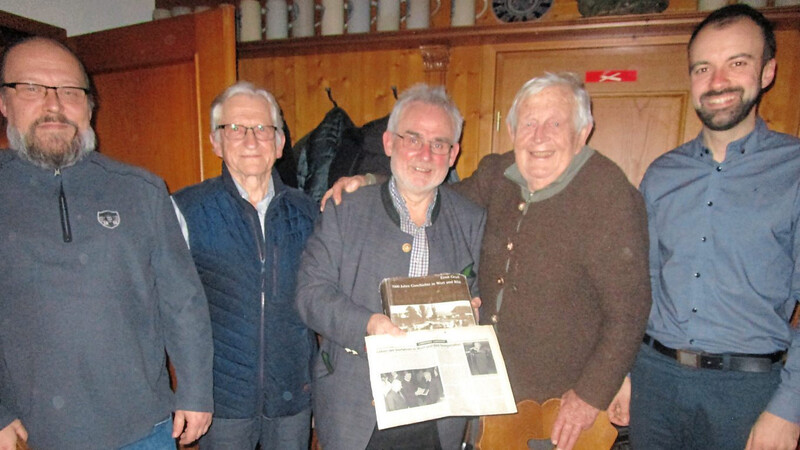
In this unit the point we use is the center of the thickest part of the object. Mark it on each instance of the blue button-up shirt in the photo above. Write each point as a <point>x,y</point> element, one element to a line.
<point>724,247</point>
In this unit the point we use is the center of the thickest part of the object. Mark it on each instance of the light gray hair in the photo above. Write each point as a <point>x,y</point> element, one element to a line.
<point>430,95</point>
<point>246,88</point>
<point>582,113</point>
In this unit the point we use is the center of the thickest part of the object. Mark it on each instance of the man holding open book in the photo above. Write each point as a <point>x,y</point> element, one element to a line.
<point>408,226</point>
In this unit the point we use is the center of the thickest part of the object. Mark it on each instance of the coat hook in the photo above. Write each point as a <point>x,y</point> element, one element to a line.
<point>394,91</point>
<point>330,97</point>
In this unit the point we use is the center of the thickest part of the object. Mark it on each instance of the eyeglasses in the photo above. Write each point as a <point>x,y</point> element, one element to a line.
<point>415,143</point>
<point>33,91</point>
<point>236,132</point>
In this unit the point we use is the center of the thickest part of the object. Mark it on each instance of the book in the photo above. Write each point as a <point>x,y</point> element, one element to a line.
<point>429,302</point>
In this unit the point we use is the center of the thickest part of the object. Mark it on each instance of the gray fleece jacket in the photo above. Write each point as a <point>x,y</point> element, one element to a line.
<point>96,283</point>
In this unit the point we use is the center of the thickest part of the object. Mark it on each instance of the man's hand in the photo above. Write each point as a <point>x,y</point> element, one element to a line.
<point>773,433</point>
<point>344,184</point>
<point>11,434</point>
<point>476,304</point>
<point>190,425</point>
<point>619,411</point>
<point>574,416</point>
<point>381,324</point>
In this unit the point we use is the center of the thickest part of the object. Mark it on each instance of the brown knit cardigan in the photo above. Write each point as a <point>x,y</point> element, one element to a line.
<point>576,294</point>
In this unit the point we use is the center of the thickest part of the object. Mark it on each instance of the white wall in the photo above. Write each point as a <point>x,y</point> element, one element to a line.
<point>82,16</point>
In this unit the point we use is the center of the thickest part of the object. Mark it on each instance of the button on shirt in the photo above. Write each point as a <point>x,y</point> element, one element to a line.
<point>724,251</point>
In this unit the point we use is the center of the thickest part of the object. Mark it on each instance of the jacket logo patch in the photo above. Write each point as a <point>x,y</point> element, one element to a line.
<point>108,219</point>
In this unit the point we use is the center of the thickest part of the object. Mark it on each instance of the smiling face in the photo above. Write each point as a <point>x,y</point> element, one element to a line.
<point>725,67</point>
<point>419,172</point>
<point>247,157</point>
<point>54,133</point>
<point>545,140</point>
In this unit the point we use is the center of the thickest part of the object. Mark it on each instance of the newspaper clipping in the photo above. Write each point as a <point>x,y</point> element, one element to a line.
<point>431,374</point>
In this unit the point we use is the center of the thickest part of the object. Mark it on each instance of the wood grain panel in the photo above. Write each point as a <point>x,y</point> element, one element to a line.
<point>653,119</point>
<point>156,82</point>
<point>489,63</point>
<point>360,82</point>
<point>464,78</point>
<point>151,130</point>
<point>780,106</point>
<point>655,105</point>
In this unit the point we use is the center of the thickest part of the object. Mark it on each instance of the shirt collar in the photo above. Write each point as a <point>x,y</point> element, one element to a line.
<point>400,204</point>
<point>261,206</point>
<point>748,144</point>
<point>513,173</point>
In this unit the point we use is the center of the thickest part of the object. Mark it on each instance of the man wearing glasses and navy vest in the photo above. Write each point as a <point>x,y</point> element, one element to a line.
<point>246,231</point>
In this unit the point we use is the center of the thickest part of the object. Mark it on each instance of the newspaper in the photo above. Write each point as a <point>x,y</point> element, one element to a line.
<point>430,374</point>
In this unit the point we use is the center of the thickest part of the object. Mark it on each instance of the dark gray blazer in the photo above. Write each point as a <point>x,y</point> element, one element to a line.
<point>355,245</point>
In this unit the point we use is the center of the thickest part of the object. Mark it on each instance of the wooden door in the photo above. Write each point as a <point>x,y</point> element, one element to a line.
<point>155,84</point>
<point>641,107</point>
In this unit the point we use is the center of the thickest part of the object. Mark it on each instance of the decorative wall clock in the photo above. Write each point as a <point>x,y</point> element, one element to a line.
<point>520,10</point>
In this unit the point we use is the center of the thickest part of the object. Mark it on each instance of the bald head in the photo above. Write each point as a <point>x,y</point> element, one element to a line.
<point>38,44</point>
<point>43,101</point>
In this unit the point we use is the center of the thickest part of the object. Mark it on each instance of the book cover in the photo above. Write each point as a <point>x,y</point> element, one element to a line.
<point>429,302</point>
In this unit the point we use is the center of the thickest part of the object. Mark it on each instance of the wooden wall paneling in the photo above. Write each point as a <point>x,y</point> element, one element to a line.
<point>149,130</point>
<point>654,45</point>
<point>655,104</point>
<point>633,141</point>
<point>435,61</point>
<point>464,84</point>
<point>360,82</point>
<point>156,81</point>
<point>780,106</point>
<point>215,69</point>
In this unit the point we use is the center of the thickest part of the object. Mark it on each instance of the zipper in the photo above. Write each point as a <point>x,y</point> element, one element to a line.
<point>66,229</point>
<point>261,246</point>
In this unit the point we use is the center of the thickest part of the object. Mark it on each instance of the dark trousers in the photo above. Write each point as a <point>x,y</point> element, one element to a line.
<point>417,436</point>
<point>674,406</point>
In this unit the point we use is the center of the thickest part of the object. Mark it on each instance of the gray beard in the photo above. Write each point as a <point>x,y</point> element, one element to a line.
<point>53,155</point>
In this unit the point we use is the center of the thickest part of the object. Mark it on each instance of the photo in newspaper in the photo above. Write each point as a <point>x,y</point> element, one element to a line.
<point>430,374</point>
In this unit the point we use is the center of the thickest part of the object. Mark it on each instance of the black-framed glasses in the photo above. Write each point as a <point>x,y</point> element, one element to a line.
<point>236,132</point>
<point>415,143</point>
<point>35,91</point>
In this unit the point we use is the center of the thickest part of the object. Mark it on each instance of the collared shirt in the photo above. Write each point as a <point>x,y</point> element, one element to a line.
<point>724,251</point>
<point>419,246</point>
<point>261,207</point>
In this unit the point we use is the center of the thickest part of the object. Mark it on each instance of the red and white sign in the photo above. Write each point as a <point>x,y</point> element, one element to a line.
<point>610,76</point>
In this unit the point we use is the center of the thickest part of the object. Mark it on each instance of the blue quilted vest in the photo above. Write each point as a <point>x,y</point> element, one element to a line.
<point>262,350</point>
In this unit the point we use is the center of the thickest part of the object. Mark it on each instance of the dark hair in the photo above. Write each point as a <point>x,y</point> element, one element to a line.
<point>7,50</point>
<point>732,13</point>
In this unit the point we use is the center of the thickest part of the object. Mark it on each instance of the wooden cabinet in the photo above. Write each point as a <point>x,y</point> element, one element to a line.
<point>483,67</point>
<point>155,84</point>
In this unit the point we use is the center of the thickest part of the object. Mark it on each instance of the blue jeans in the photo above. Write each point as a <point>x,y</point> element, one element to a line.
<point>678,407</point>
<point>158,439</point>
<point>280,433</point>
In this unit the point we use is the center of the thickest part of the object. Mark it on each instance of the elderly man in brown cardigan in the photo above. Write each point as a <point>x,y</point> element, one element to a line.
<point>564,274</point>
